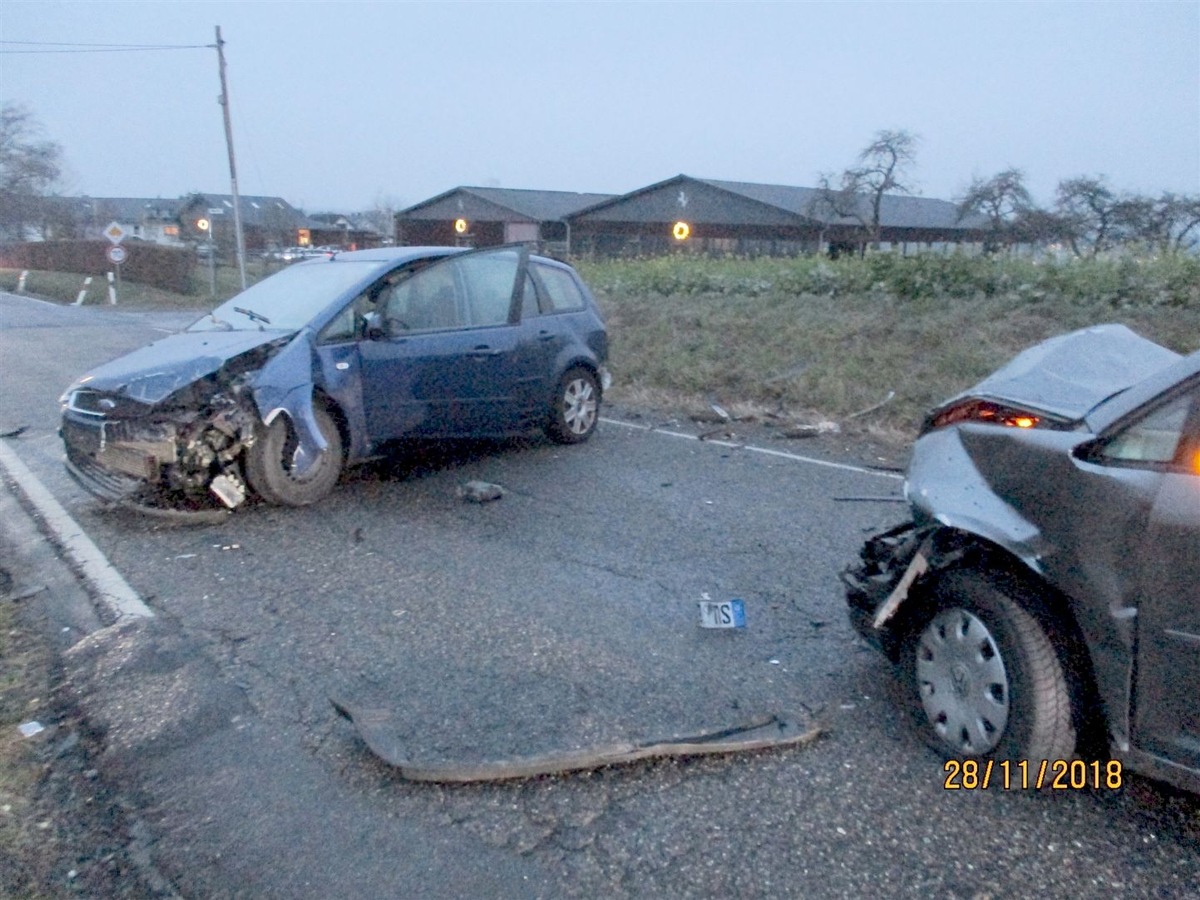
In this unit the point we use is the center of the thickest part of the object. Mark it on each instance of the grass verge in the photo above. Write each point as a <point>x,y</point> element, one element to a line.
<point>64,287</point>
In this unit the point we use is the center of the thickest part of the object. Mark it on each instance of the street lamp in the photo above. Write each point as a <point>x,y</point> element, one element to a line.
<point>205,226</point>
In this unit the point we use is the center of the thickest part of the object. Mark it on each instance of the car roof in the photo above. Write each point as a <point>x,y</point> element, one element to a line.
<point>404,254</point>
<point>1117,407</point>
<point>396,254</point>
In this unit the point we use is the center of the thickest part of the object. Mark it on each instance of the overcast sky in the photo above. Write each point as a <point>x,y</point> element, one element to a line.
<point>338,105</point>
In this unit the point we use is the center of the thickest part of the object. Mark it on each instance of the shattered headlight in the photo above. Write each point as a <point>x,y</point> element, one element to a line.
<point>989,412</point>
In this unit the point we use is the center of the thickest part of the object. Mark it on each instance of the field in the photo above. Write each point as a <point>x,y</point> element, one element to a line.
<point>820,340</point>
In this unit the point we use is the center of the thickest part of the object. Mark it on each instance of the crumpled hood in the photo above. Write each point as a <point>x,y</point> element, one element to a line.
<point>154,372</point>
<point>1069,375</point>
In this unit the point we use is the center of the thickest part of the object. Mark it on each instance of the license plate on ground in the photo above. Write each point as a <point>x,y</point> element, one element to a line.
<point>727,614</point>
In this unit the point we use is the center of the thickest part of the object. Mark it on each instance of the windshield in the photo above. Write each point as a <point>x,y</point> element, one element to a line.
<point>288,300</point>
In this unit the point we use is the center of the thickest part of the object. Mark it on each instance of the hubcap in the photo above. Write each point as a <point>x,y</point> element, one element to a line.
<point>962,681</point>
<point>579,406</point>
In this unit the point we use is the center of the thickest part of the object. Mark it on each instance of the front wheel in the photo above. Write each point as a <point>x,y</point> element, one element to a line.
<point>576,407</point>
<point>269,462</point>
<point>984,679</point>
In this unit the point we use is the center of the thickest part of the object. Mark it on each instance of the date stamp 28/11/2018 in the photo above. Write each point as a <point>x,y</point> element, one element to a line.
<point>1023,774</point>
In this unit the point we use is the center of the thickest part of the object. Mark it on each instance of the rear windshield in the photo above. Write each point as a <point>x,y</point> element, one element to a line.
<point>288,300</point>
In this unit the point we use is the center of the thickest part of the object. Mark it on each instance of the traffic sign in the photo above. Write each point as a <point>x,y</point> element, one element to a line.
<point>116,255</point>
<point>114,232</point>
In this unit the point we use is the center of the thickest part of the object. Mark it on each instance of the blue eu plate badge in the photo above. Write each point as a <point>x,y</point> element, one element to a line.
<point>724,614</point>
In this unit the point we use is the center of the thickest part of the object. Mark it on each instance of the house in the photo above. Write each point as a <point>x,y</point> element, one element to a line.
<point>174,222</point>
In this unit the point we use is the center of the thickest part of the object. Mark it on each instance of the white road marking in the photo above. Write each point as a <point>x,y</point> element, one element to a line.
<point>782,454</point>
<point>105,582</point>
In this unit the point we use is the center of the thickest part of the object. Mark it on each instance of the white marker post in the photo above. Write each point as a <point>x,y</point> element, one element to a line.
<point>83,291</point>
<point>116,255</point>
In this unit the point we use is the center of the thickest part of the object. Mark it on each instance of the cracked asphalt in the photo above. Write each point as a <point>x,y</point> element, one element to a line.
<point>563,615</point>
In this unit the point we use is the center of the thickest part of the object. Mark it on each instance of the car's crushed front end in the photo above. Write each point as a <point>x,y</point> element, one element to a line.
<point>989,468</point>
<point>1040,599</point>
<point>166,428</point>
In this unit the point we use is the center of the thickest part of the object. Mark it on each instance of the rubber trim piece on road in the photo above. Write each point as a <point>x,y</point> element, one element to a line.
<point>383,735</point>
<point>106,584</point>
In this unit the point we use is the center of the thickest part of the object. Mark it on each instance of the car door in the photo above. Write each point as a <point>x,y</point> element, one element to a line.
<point>440,360</point>
<point>1156,459</point>
<point>1166,715</point>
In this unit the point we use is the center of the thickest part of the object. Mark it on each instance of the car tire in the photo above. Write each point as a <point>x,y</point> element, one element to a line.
<point>983,678</point>
<point>268,462</point>
<point>576,407</point>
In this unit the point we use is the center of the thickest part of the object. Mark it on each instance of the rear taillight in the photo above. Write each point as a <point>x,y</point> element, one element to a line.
<point>985,411</point>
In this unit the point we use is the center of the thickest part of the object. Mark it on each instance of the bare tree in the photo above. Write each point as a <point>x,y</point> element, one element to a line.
<point>1167,224</point>
<point>884,167</point>
<point>382,216</point>
<point>1003,200</point>
<point>29,168</point>
<point>1089,210</point>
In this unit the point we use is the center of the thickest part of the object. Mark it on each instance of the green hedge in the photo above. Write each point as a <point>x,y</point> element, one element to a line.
<point>168,268</point>
<point>1121,283</point>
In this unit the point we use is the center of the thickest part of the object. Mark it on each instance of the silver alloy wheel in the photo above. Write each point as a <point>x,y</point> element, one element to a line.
<point>962,681</point>
<point>579,405</point>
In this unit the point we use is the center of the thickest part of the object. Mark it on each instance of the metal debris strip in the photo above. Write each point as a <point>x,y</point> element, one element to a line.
<point>215,516</point>
<point>378,729</point>
<point>891,395</point>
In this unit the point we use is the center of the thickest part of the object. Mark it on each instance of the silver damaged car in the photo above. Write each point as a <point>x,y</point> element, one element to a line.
<point>1043,602</point>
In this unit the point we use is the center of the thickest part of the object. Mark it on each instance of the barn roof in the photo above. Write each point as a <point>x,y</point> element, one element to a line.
<point>502,205</point>
<point>710,199</point>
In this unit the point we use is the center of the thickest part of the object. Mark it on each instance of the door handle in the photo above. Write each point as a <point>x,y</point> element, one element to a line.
<point>483,351</point>
<point>545,335</point>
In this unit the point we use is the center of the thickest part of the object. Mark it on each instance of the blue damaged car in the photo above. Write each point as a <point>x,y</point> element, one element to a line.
<point>324,363</point>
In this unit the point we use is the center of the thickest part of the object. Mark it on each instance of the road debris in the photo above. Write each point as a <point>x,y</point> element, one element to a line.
<point>29,729</point>
<point>381,732</point>
<point>870,409</point>
<point>480,491</point>
<point>797,431</point>
<point>14,432</point>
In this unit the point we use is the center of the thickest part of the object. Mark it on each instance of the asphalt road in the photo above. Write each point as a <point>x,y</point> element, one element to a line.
<point>563,615</point>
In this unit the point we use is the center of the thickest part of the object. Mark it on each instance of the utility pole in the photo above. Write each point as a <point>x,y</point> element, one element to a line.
<point>237,204</point>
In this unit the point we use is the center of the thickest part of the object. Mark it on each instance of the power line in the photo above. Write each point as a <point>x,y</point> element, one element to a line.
<point>64,47</point>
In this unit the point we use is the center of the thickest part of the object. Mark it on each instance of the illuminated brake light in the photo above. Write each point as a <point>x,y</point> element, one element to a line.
<point>1022,421</point>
